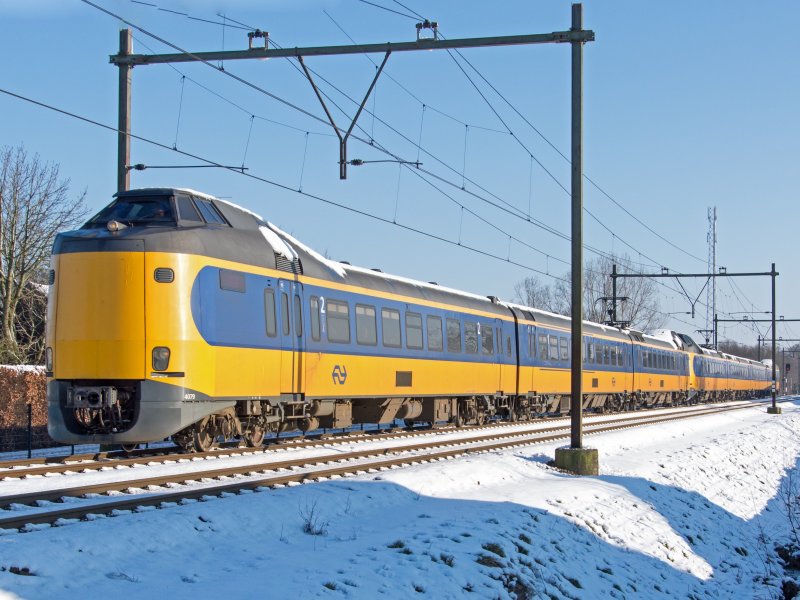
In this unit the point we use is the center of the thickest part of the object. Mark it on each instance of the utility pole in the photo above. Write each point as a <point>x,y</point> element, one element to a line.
<point>576,458</point>
<point>614,299</point>
<point>711,293</point>
<point>124,122</point>
<point>774,409</point>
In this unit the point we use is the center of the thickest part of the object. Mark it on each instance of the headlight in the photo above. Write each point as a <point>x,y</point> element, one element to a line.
<point>160,358</point>
<point>48,359</point>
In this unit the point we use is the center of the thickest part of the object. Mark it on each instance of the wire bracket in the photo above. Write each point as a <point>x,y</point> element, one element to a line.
<point>343,138</point>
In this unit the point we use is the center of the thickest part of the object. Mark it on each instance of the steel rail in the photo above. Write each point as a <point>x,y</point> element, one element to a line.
<point>474,445</point>
<point>106,460</point>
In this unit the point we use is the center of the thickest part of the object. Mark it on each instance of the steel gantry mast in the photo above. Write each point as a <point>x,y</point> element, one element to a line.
<point>574,458</point>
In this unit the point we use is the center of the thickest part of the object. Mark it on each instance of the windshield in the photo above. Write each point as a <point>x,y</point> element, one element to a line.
<point>140,210</point>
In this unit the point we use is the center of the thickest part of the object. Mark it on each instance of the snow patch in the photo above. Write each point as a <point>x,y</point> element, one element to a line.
<point>274,240</point>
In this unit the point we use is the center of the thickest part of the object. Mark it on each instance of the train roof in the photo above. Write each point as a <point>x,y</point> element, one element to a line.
<point>317,266</point>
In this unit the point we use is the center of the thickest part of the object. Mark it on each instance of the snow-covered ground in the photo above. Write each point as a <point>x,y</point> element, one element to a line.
<point>684,509</point>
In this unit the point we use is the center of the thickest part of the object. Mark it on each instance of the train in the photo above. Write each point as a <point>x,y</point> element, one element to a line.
<point>172,313</point>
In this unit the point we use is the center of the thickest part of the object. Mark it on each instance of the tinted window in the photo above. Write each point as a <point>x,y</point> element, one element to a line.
<point>453,335</point>
<point>366,328</point>
<point>531,344</point>
<point>298,316</point>
<point>542,346</point>
<point>487,339</point>
<point>209,212</point>
<point>338,320</point>
<point>187,211</point>
<point>269,312</point>
<point>562,342</point>
<point>508,345</point>
<point>232,281</point>
<point>471,337</point>
<point>553,354</point>
<point>315,318</point>
<point>414,331</point>
<point>435,334</point>
<point>141,210</point>
<point>590,352</point>
<point>390,321</point>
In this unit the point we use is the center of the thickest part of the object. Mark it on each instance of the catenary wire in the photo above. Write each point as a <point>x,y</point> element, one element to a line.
<point>264,91</point>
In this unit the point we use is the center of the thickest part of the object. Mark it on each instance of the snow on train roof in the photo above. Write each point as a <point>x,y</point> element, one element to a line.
<point>341,269</point>
<point>332,265</point>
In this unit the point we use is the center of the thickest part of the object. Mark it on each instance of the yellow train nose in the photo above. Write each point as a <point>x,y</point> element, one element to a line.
<point>100,327</point>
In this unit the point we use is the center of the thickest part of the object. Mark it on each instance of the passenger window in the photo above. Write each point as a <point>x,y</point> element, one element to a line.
<point>453,335</point>
<point>471,337</point>
<point>390,322</point>
<point>564,346</point>
<point>298,316</point>
<point>531,344</point>
<point>508,345</point>
<point>499,336</point>
<point>435,334</point>
<point>338,320</point>
<point>414,331</point>
<point>553,354</point>
<point>590,352</point>
<point>542,346</point>
<point>187,211</point>
<point>366,327</point>
<point>233,281</point>
<point>269,312</point>
<point>487,339</point>
<point>315,334</point>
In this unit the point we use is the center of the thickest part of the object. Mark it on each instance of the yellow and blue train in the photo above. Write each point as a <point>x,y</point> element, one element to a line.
<point>173,313</point>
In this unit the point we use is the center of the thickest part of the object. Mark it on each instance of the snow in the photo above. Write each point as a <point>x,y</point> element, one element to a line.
<point>337,268</point>
<point>256,216</point>
<point>26,368</point>
<point>678,510</point>
<point>274,240</point>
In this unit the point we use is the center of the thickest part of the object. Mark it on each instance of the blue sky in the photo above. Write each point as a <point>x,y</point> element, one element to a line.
<point>687,105</point>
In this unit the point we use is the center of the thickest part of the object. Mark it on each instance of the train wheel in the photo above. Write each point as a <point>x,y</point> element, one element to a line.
<point>129,447</point>
<point>480,419</point>
<point>202,437</point>
<point>255,437</point>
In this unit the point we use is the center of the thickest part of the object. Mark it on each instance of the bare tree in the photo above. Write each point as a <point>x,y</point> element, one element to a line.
<point>532,292</point>
<point>641,309</point>
<point>34,206</point>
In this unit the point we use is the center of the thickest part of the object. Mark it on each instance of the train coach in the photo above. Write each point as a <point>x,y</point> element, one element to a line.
<point>173,313</point>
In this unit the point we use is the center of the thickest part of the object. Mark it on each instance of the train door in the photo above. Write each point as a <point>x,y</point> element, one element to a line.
<point>504,385</point>
<point>290,304</point>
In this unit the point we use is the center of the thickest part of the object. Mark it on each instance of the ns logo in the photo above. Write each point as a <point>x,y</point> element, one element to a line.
<point>339,374</point>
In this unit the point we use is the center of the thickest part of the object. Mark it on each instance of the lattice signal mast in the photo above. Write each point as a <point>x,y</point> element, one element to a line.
<point>711,292</point>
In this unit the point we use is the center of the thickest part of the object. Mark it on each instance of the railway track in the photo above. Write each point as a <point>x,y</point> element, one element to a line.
<point>78,502</point>
<point>25,467</point>
<point>78,463</point>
